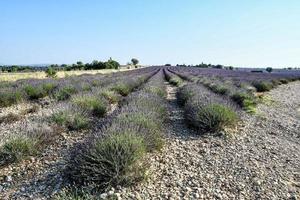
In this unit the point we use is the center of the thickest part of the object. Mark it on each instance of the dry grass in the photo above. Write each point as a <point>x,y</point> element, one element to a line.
<point>60,74</point>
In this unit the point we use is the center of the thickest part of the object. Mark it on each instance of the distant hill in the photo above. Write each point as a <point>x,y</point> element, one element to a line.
<point>37,65</point>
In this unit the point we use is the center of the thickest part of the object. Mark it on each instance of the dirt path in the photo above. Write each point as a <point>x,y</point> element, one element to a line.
<point>262,161</point>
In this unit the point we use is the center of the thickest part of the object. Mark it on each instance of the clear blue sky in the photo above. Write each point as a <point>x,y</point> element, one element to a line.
<point>253,33</point>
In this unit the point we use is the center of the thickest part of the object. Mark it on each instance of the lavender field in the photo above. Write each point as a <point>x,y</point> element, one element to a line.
<point>152,133</point>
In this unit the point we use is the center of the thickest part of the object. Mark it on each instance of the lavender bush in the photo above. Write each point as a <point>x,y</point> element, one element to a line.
<point>115,155</point>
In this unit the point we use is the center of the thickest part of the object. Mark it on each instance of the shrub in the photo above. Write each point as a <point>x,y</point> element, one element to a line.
<point>276,82</point>
<point>49,87</point>
<point>8,98</point>
<point>110,161</point>
<point>184,93</point>
<point>71,119</point>
<point>156,90</point>
<point>95,105</point>
<point>176,81</point>
<point>65,93</point>
<point>96,83</point>
<point>50,72</point>
<point>210,118</point>
<point>28,143</point>
<point>284,81</point>
<point>35,92</point>
<point>149,128</point>
<point>219,89</point>
<point>86,87</point>
<point>75,194</point>
<point>60,118</point>
<point>262,86</point>
<point>147,103</point>
<point>206,83</point>
<point>17,149</point>
<point>10,118</point>
<point>111,96</point>
<point>244,100</point>
<point>44,134</point>
<point>122,89</point>
<point>77,122</point>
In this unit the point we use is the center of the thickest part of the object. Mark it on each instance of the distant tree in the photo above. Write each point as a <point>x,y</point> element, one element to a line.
<point>80,65</point>
<point>14,68</point>
<point>230,68</point>
<point>168,65</point>
<point>50,72</point>
<point>202,65</point>
<point>112,64</point>
<point>218,66</point>
<point>134,61</point>
<point>95,62</point>
<point>289,68</point>
<point>269,69</point>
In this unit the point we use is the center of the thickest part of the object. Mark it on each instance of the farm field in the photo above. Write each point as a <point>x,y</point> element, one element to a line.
<point>60,74</point>
<point>151,133</point>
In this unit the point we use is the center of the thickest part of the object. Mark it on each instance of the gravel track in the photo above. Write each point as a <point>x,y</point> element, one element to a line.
<point>261,161</point>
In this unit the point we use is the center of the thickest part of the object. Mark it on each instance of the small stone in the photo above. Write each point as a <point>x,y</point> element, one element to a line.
<point>111,192</point>
<point>103,196</point>
<point>32,159</point>
<point>118,196</point>
<point>9,178</point>
<point>131,195</point>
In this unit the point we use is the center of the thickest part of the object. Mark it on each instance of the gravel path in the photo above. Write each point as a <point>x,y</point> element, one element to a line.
<point>261,161</point>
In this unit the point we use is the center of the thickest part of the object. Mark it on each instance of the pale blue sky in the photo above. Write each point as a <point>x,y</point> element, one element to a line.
<point>253,33</point>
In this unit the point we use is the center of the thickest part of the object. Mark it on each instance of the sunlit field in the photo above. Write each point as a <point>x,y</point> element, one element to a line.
<point>97,130</point>
<point>60,74</point>
<point>149,100</point>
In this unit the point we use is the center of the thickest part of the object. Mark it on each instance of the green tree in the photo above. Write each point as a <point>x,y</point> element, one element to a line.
<point>112,64</point>
<point>134,61</point>
<point>50,72</point>
<point>269,69</point>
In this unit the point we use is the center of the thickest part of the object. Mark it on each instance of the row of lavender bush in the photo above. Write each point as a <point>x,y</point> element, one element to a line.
<point>203,110</point>
<point>116,155</point>
<point>239,76</point>
<point>74,115</point>
<point>242,95</point>
<point>59,89</point>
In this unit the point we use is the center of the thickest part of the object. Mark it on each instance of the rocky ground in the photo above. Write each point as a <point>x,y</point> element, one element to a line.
<point>261,161</point>
<point>40,177</point>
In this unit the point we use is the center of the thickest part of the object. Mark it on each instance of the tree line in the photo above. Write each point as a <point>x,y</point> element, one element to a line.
<point>94,65</point>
